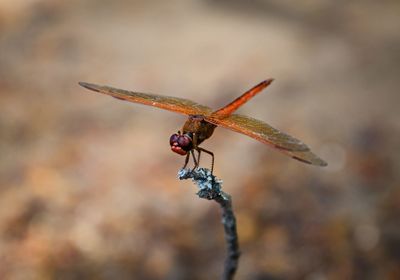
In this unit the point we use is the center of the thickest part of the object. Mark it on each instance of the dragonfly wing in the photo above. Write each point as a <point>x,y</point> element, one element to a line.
<point>174,104</point>
<point>268,135</point>
<point>306,157</point>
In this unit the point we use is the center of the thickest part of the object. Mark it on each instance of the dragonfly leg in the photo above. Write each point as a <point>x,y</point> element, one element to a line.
<point>198,156</point>
<point>186,161</point>
<point>208,152</point>
<point>194,143</point>
<point>196,162</point>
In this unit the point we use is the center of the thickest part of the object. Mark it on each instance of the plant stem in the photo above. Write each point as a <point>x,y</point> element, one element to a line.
<point>210,189</point>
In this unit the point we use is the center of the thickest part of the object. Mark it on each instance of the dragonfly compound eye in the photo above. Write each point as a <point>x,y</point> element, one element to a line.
<point>176,141</point>
<point>185,142</point>
<point>173,139</point>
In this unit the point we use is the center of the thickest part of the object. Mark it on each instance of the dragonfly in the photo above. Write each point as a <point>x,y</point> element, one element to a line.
<point>202,121</point>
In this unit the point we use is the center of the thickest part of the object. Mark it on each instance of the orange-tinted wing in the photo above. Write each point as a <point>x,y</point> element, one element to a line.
<point>174,104</point>
<point>268,135</point>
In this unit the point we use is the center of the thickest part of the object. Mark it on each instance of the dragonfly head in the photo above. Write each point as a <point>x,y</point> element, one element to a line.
<point>181,143</point>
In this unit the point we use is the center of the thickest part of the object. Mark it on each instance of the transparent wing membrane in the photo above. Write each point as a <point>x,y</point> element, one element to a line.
<point>268,135</point>
<point>174,104</point>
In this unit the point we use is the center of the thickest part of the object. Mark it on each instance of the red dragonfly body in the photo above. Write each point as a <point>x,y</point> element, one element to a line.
<point>203,120</point>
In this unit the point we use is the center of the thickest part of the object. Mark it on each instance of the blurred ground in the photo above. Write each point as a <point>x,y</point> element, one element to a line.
<point>88,186</point>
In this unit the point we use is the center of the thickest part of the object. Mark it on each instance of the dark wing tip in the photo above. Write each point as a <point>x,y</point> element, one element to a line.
<point>90,86</point>
<point>268,81</point>
<point>323,163</point>
<point>313,161</point>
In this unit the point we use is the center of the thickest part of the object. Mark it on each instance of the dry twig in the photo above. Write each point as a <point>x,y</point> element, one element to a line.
<point>210,188</point>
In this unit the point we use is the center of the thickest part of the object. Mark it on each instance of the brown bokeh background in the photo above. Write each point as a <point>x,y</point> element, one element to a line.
<point>88,186</point>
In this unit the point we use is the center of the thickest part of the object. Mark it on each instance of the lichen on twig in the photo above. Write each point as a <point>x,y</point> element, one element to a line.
<point>210,188</point>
